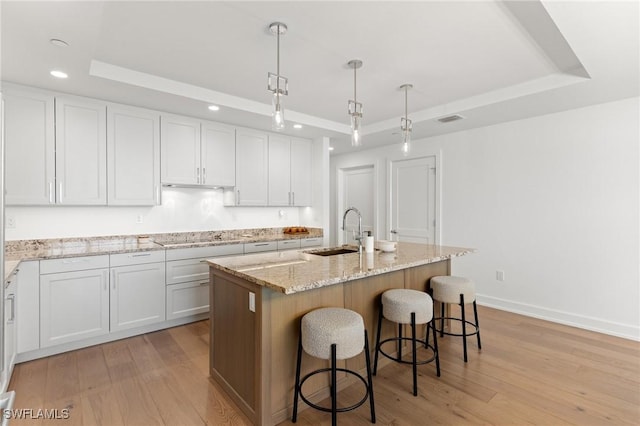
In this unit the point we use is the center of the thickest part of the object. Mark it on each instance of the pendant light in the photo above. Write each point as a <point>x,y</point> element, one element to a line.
<point>355,107</point>
<point>277,84</point>
<point>405,123</point>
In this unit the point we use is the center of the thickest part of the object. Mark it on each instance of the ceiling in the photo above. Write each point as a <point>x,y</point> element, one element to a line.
<point>485,60</point>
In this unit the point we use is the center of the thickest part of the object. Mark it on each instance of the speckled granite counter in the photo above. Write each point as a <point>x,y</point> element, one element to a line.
<point>294,271</point>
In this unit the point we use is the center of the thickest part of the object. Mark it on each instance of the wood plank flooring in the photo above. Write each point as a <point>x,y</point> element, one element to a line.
<point>529,372</point>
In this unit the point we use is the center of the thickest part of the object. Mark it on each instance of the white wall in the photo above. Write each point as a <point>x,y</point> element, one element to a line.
<point>553,202</point>
<point>182,210</point>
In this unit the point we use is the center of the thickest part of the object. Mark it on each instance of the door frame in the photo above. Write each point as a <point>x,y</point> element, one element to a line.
<point>438,194</point>
<point>340,207</point>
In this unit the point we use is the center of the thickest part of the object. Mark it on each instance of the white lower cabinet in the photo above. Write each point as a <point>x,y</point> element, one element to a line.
<point>74,305</point>
<point>187,299</point>
<point>137,295</point>
<point>188,278</point>
<point>10,328</point>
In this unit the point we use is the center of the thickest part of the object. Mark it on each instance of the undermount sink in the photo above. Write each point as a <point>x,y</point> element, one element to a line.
<point>333,251</point>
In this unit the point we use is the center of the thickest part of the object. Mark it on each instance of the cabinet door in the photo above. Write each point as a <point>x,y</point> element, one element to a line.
<point>133,156</point>
<point>279,171</point>
<point>180,150</point>
<point>218,153</point>
<point>28,304</point>
<point>73,306</point>
<point>251,168</point>
<point>187,299</point>
<point>81,151</point>
<point>10,342</point>
<point>301,165</point>
<point>137,295</point>
<point>29,147</point>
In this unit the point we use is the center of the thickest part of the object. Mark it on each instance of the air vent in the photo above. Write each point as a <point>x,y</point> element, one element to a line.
<point>450,118</point>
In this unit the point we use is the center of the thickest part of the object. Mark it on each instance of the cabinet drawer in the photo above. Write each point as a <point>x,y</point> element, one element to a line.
<point>187,299</point>
<point>51,266</point>
<point>137,258</point>
<point>258,247</point>
<point>289,245</point>
<point>180,271</point>
<point>311,242</point>
<point>204,252</point>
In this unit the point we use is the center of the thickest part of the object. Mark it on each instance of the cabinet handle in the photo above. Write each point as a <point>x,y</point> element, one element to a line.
<point>51,192</point>
<point>289,201</point>
<point>261,244</point>
<point>204,175</point>
<point>203,260</point>
<point>238,197</point>
<point>198,174</point>
<point>293,198</point>
<point>157,200</point>
<point>140,255</point>
<point>205,283</point>
<point>12,298</point>
<point>60,192</point>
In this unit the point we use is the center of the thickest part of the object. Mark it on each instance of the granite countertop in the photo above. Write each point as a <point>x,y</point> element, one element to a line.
<point>19,250</point>
<point>295,271</point>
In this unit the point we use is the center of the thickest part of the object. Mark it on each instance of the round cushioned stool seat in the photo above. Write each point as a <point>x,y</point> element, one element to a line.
<point>447,289</point>
<point>398,304</point>
<point>325,326</point>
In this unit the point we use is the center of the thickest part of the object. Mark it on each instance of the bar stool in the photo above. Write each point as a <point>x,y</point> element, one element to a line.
<point>458,290</point>
<point>405,306</point>
<point>333,334</point>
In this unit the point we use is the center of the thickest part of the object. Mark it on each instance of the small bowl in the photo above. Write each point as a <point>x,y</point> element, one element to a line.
<point>386,246</point>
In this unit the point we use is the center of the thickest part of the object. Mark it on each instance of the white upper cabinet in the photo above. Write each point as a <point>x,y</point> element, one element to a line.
<point>301,172</point>
<point>29,147</point>
<point>279,171</point>
<point>180,145</point>
<point>252,162</point>
<point>218,154</point>
<point>289,171</point>
<point>81,151</point>
<point>133,156</point>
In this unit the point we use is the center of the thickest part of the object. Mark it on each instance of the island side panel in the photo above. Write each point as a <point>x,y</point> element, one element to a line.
<point>286,312</point>
<point>234,355</point>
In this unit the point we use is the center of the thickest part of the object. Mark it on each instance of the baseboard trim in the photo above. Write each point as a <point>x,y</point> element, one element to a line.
<point>58,349</point>
<point>626,331</point>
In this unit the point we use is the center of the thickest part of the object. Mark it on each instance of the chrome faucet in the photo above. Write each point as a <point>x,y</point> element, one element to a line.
<point>344,225</point>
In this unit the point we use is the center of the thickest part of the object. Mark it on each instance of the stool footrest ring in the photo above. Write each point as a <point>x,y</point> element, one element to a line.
<point>422,342</point>
<point>328,409</point>
<point>448,333</point>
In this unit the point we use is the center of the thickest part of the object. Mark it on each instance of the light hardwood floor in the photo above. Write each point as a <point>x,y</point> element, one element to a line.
<point>529,372</point>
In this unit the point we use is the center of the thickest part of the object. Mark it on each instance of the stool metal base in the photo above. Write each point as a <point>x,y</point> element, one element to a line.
<point>475,327</point>
<point>333,370</point>
<point>414,341</point>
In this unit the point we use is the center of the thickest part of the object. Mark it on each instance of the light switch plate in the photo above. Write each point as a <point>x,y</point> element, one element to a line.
<point>252,301</point>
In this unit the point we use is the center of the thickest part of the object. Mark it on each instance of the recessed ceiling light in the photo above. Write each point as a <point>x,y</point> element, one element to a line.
<point>58,74</point>
<point>214,107</point>
<point>330,148</point>
<point>58,42</point>
<point>297,126</point>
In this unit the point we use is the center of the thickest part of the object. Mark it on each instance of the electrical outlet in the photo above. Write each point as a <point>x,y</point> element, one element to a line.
<point>11,222</point>
<point>499,275</point>
<point>139,219</point>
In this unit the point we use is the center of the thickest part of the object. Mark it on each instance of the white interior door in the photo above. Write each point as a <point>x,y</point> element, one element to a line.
<point>413,200</point>
<point>358,192</point>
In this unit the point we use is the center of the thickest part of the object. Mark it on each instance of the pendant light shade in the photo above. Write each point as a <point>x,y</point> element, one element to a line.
<point>355,108</point>
<point>277,84</point>
<point>405,123</point>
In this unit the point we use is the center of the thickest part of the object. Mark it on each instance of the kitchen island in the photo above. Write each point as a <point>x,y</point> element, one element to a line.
<point>257,302</point>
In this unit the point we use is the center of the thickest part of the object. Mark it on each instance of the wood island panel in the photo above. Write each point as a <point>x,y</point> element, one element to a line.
<point>257,351</point>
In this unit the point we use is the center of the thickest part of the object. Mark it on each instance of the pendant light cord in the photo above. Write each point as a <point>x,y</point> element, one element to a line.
<point>355,100</point>
<point>278,64</point>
